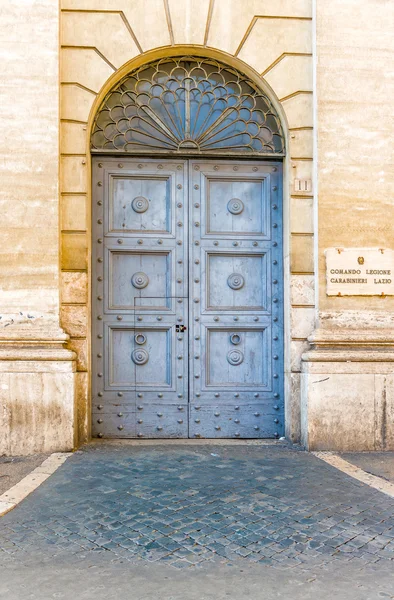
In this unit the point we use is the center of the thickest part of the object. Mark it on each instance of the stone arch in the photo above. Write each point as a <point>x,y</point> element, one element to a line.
<point>91,67</point>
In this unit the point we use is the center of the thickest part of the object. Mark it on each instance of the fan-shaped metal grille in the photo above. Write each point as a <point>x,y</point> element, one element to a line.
<point>187,105</point>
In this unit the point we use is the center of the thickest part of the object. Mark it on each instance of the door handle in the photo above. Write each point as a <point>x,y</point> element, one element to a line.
<point>180,328</point>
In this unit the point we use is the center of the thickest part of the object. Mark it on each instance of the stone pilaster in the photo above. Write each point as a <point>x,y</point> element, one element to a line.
<point>347,390</point>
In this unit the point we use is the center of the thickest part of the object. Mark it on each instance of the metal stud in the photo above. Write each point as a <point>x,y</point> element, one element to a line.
<point>276,375</point>
<point>180,421</point>
<point>100,241</point>
<point>179,242</point>
<point>276,395</point>
<point>140,435</point>
<point>197,407</point>
<point>179,280</point>
<point>140,242</point>
<point>236,395</point>
<point>179,356</point>
<point>179,223</point>
<point>119,317</point>
<point>180,261</point>
<point>140,395</point>
<point>180,376</point>
<point>256,414</point>
<point>274,188</point>
<point>179,167</point>
<point>215,243</point>
<point>216,168</point>
<point>179,186</point>
<point>275,225</point>
<point>274,262</point>
<point>275,281</point>
<point>139,318</point>
<point>100,165</point>
<point>196,280</point>
<point>256,395</point>
<point>275,300</point>
<point>197,420</point>
<point>255,244</point>
<point>159,242</point>
<point>255,318</point>
<point>159,318</point>
<point>198,394</point>
<point>196,337</point>
<point>255,169</point>
<point>100,318</point>
<point>274,206</point>
<point>179,205</point>
<point>216,318</point>
<point>100,336</point>
<point>100,183</point>
<point>235,244</point>
<point>275,338</point>
<point>99,421</point>
<point>196,205</point>
<point>275,319</point>
<point>100,435</point>
<point>235,168</point>
<point>100,407</point>
<point>196,262</point>
<point>120,427</point>
<point>99,298</point>
<point>140,421</point>
<point>100,221</point>
<point>180,407</point>
<point>197,243</point>
<point>196,224</point>
<point>236,421</point>
<point>196,186</point>
<point>197,318</point>
<point>236,407</point>
<point>120,241</point>
<point>236,318</point>
<point>100,394</point>
<point>99,278</point>
<point>196,168</point>
<point>160,395</point>
<point>276,407</point>
<point>100,260</point>
<point>140,166</point>
<point>120,394</point>
<point>99,374</point>
<point>197,435</point>
<point>140,407</point>
<point>99,355</point>
<point>237,434</point>
<point>275,244</point>
<point>217,414</point>
<point>160,414</point>
<point>197,376</point>
<point>276,420</point>
<point>100,202</point>
<point>217,395</point>
<point>256,427</point>
<point>218,428</point>
<point>159,166</point>
<point>275,357</point>
<point>274,169</point>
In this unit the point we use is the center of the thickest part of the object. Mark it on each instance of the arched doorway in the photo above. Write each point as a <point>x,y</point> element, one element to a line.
<point>187,278</point>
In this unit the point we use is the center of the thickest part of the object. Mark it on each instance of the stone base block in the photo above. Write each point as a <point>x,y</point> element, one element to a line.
<point>37,394</point>
<point>347,393</point>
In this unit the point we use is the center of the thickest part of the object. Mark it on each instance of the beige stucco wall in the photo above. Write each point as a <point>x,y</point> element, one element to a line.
<point>272,37</point>
<point>29,166</point>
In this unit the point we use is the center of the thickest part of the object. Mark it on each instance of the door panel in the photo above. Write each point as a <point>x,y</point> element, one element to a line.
<point>236,283</point>
<point>153,376</point>
<point>140,366</point>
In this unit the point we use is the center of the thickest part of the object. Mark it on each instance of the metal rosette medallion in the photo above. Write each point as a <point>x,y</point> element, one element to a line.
<point>140,280</point>
<point>140,356</point>
<point>235,281</point>
<point>235,206</point>
<point>140,204</point>
<point>235,357</point>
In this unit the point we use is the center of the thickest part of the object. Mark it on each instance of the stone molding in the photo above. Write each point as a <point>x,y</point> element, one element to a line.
<point>22,343</point>
<point>350,345</point>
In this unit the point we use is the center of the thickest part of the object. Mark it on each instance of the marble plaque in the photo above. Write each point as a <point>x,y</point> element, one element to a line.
<point>359,271</point>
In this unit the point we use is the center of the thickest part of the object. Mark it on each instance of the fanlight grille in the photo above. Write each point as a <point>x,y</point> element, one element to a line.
<point>187,105</point>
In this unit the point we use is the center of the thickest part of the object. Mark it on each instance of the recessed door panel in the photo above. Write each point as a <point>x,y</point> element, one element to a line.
<point>135,274</point>
<point>140,204</point>
<point>236,281</point>
<point>236,205</point>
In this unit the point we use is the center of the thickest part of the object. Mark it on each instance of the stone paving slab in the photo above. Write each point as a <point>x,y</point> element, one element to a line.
<point>196,506</point>
<point>15,468</point>
<point>380,464</point>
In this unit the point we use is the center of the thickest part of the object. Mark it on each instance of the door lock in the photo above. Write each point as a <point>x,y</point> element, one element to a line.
<point>180,328</point>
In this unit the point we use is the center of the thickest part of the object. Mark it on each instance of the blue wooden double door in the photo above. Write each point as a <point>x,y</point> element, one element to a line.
<point>187,290</point>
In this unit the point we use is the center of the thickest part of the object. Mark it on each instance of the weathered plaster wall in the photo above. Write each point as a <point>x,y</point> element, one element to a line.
<point>355,82</point>
<point>273,37</point>
<point>29,174</point>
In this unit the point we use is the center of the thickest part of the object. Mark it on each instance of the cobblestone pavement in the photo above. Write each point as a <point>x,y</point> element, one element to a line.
<point>187,506</point>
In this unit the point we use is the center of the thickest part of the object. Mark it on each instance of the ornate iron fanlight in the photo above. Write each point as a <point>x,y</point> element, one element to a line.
<point>187,105</point>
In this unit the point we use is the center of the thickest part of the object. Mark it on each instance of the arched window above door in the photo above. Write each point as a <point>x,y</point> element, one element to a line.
<point>187,105</point>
